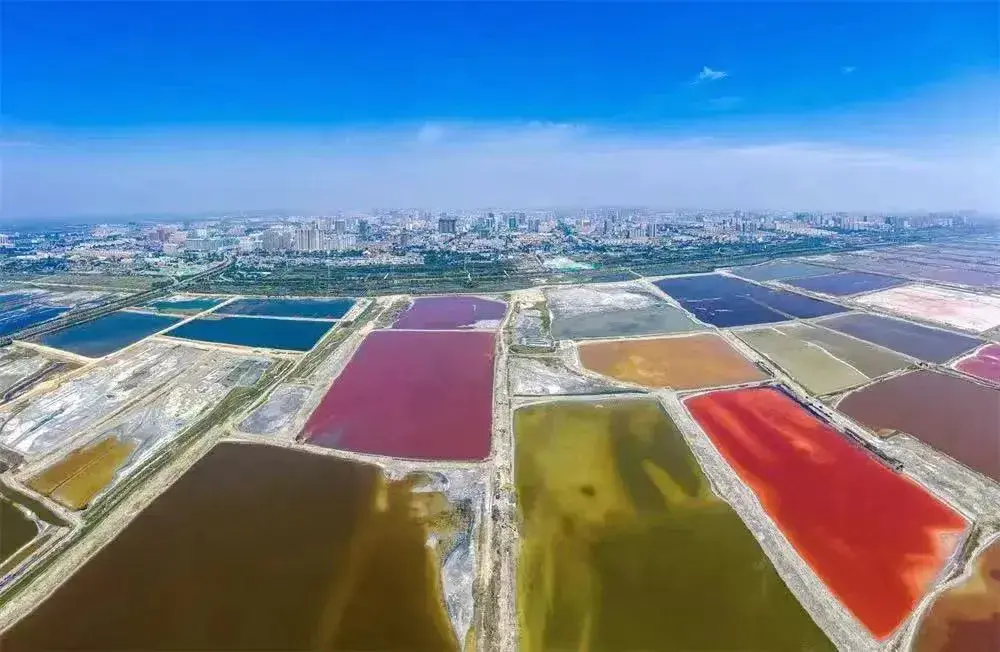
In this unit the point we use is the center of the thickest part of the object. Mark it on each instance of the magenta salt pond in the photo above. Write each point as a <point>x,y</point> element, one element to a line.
<point>452,313</point>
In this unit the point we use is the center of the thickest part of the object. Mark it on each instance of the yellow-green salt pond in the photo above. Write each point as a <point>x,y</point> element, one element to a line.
<point>624,546</point>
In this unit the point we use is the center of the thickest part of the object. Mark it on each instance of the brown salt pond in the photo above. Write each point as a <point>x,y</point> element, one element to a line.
<point>966,618</point>
<point>685,362</point>
<point>16,529</point>
<point>264,548</point>
<point>624,545</point>
<point>956,416</point>
<point>74,480</point>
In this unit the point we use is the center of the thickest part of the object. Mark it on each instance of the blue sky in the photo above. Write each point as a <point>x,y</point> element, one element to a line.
<point>154,85</point>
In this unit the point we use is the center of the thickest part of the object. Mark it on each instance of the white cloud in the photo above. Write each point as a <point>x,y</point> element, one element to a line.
<point>707,74</point>
<point>537,165</point>
<point>847,70</point>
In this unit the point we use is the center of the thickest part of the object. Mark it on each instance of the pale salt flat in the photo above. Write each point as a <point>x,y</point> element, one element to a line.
<point>964,310</point>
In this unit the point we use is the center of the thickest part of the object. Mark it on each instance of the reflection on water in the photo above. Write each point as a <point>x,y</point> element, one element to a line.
<point>259,547</point>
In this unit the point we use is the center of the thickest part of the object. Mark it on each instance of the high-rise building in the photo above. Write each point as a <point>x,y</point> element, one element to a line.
<point>202,244</point>
<point>272,240</point>
<point>447,225</point>
<point>364,230</point>
<point>307,240</point>
<point>535,226</point>
<point>340,227</point>
<point>5,241</point>
<point>512,223</point>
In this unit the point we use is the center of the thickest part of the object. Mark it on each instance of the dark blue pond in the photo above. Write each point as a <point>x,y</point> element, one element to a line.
<point>846,283</point>
<point>107,334</point>
<point>726,301</point>
<point>289,334</point>
<point>779,270</point>
<point>313,308</point>
<point>17,319</point>
<point>929,344</point>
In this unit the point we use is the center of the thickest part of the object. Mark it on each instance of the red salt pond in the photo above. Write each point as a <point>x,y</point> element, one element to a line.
<point>452,312</point>
<point>422,395</point>
<point>983,364</point>
<point>876,538</point>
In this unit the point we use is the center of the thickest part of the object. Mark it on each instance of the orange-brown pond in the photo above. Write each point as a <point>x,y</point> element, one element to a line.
<point>74,480</point>
<point>260,548</point>
<point>966,618</point>
<point>685,362</point>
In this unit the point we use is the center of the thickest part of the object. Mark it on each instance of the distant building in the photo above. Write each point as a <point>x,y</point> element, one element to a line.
<point>342,242</point>
<point>447,225</point>
<point>307,240</point>
<point>5,241</point>
<point>364,230</point>
<point>535,226</point>
<point>512,223</point>
<point>272,240</point>
<point>161,233</point>
<point>202,244</point>
<point>340,227</point>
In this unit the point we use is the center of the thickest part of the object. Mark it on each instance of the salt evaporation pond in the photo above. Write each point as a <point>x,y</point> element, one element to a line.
<point>876,538</point>
<point>822,361</point>
<point>624,545</point>
<point>845,283</point>
<point>983,364</point>
<point>262,548</point>
<point>966,618</point>
<point>147,426</point>
<point>956,416</point>
<point>727,301</point>
<point>964,310</point>
<point>779,270</point>
<point>306,308</point>
<point>451,313</point>
<point>921,342</point>
<point>185,304</point>
<point>423,395</point>
<point>108,333</point>
<point>16,529</point>
<point>594,311</point>
<point>17,319</point>
<point>261,332</point>
<point>685,362</point>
